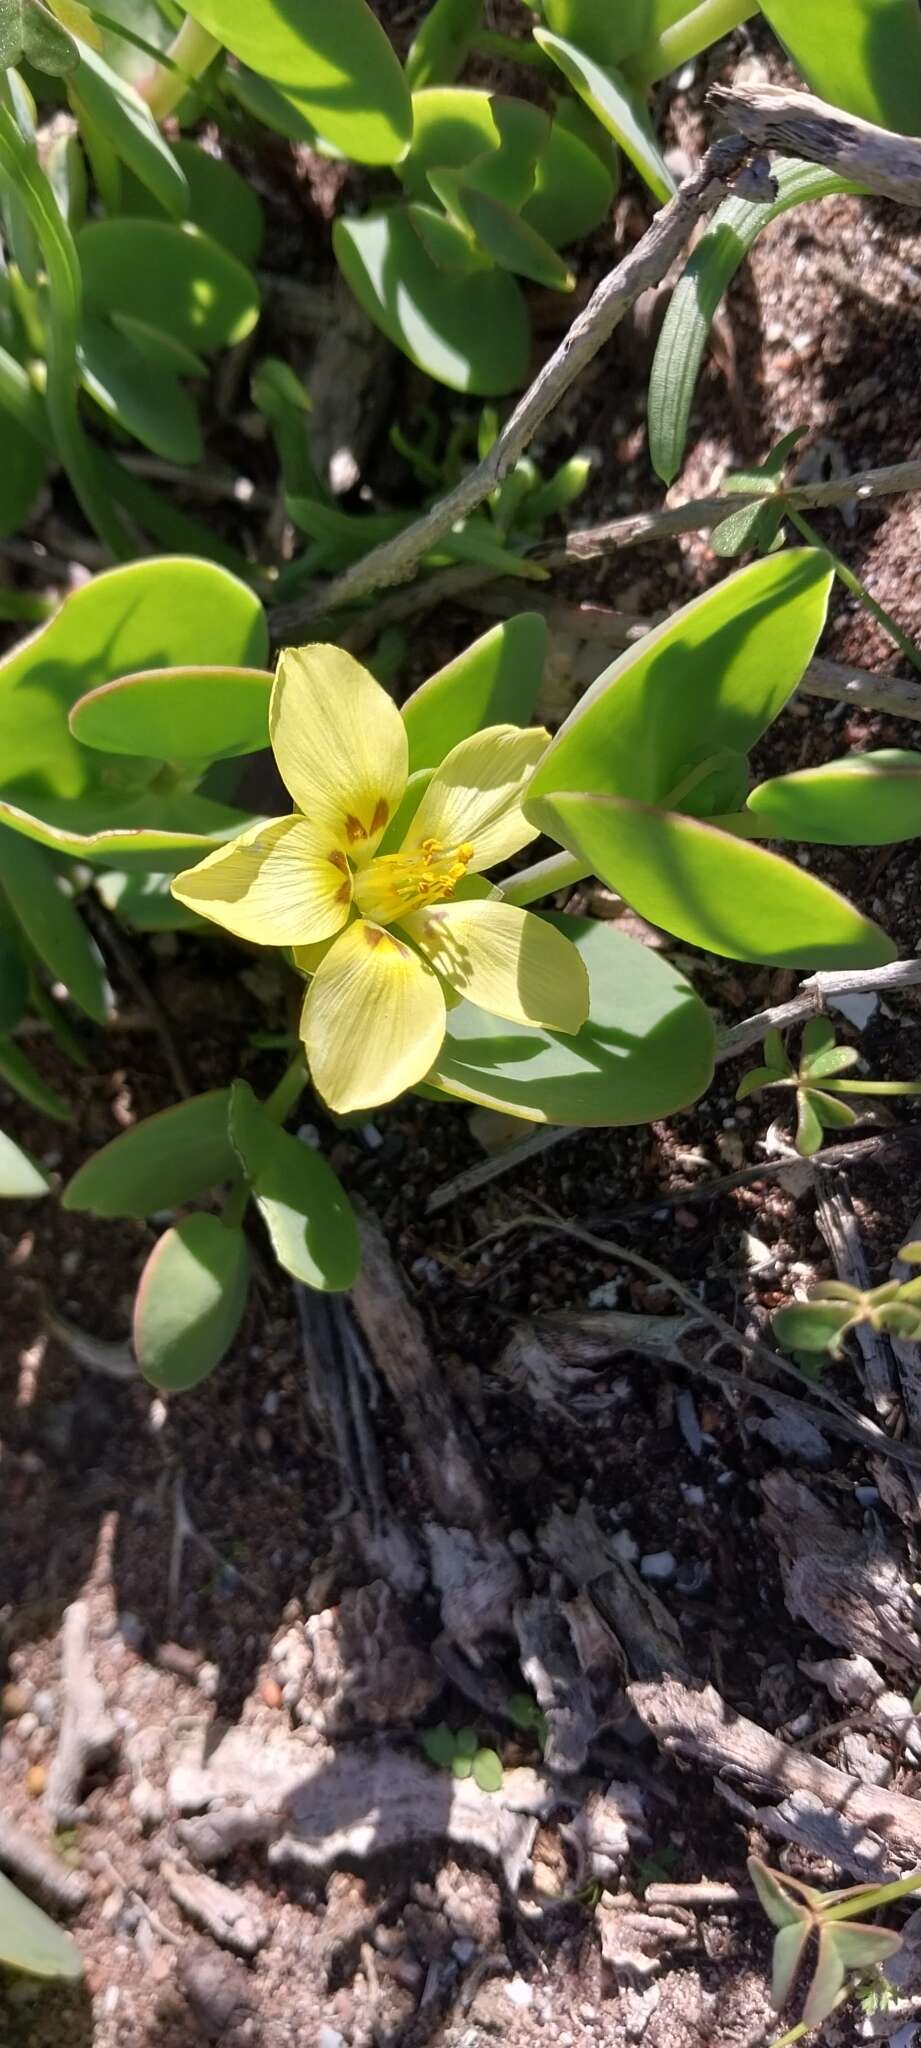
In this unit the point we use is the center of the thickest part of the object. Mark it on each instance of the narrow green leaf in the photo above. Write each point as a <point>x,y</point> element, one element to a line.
<point>732,232</point>
<point>711,677</point>
<point>843,1947</point>
<point>787,1955</point>
<point>167,827</point>
<point>51,923</point>
<point>22,1179</point>
<point>442,42</point>
<point>756,1079</point>
<point>20,1075</point>
<point>775,1051</point>
<point>129,128</point>
<point>808,1123</point>
<point>30,1941</point>
<point>144,398</point>
<point>911,1253</point>
<point>836,1060</point>
<point>29,30</point>
<point>14,972</point>
<point>773,1898</point>
<point>607,33</point>
<point>833,1114</point>
<point>190,1302</point>
<point>335,64</point>
<point>864,800</point>
<point>306,1211</point>
<point>726,895</point>
<point>618,105</point>
<point>160,1163</point>
<point>507,239</point>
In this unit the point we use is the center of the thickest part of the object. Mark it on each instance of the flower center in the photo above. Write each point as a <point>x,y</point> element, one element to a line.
<point>396,883</point>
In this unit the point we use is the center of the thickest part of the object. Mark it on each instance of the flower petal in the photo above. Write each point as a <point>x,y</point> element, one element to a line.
<point>340,744</point>
<point>475,796</point>
<point>506,960</point>
<point>373,1020</point>
<point>270,886</point>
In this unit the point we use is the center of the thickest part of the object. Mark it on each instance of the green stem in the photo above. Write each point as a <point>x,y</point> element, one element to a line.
<point>865,1088</point>
<point>512,49</point>
<point>236,1205</point>
<point>856,588</point>
<point>189,54</point>
<point>706,22</point>
<point>18,164</point>
<point>287,1092</point>
<point>544,877</point>
<point>876,1895</point>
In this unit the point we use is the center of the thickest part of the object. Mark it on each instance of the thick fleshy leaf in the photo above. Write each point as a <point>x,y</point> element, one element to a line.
<point>306,1211</point>
<point>470,333</point>
<point>774,1899</point>
<point>373,1019</point>
<point>645,1051</point>
<point>172,277</point>
<point>864,55</point>
<point>618,105</point>
<point>706,277</point>
<point>152,831</point>
<point>494,682</point>
<point>505,238</point>
<point>712,677</point>
<point>160,1163</point>
<point>159,613</point>
<point>756,1079</point>
<point>127,124</point>
<point>727,895</point>
<point>335,64</point>
<point>843,1948</point>
<point>177,714</point>
<point>864,800</point>
<point>506,960</point>
<point>810,1325</point>
<point>149,402</point>
<point>832,1112</point>
<point>340,745</point>
<point>144,902</point>
<point>219,201</point>
<point>19,1074</point>
<point>786,1957</point>
<point>607,33</point>
<point>273,886</point>
<point>30,1941</point>
<point>190,1302</point>
<point>441,43</point>
<point>22,1179</point>
<point>29,30</point>
<point>476,793</point>
<point>564,186</point>
<point>574,186</point>
<point>808,1124</point>
<point>51,923</point>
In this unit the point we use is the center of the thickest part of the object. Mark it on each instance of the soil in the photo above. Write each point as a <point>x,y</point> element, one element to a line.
<point>820,329</point>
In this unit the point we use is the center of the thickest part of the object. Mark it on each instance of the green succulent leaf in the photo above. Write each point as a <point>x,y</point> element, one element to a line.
<point>126,122</point>
<point>144,398</point>
<point>25,467</point>
<point>306,1212</point>
<point>756,1079</point>
<point>177,714</point>
<point>715,891</point>
<point>774,1898</point>
<point>25,1080</point>
<point>864,55</point>
<point>469,332</point>
<point>30,1941</point>
<point>29,30</point>
<point>171,277</point>
<point>506,239</point>
<point>820,1066</point>
<point>646,1050</point>
<point>865,800</point>
<point>811,1326</point>
<point>335,65</point>
<point>495,681</point>
<point>607,33</point>
<point>22,1179</point>
<point>618,105</point>
<point>900,1319</point>
<point>833,1114</point>
<point>219,201</point>
<point>442,42</point>
<point>488,1773</point>
<point>723,666</point>
<point>51,923</point>
<point>159,1164</point>
<point>439,1745</point>
<point>775,1051</point>
<point>808,1123</point>
<point>190,1302</point>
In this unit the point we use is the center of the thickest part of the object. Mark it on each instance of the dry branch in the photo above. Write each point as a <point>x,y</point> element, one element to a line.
<point>774,118</point>
<point>40,1869</point>
<point>224,1914</point>
<point>88,1733</point>
<point>867,1829</point>
<point>645,265</point>
<point>846,1586</point>
<point>812,998</point>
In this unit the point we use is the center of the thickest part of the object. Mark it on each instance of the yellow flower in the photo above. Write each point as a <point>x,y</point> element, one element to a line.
<point>383,935</point>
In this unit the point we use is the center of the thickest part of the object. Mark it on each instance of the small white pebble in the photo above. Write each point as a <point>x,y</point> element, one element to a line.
<point>519,1992</point>
<point>658,1564</point>
<point>695,1496</point>
<point>156,1417</point>
<point>625,1546</point>
<point>866,1496</point>
<point>371,1137</point>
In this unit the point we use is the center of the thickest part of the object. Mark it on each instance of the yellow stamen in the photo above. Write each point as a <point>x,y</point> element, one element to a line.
<point>397,883</point>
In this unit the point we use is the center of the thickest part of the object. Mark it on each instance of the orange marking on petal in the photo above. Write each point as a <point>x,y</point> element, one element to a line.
<point>354,828</point>
<point>381,816</point>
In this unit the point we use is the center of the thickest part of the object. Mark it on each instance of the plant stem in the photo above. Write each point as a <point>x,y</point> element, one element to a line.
<point>236,1205</point>
<point>513,49</point>
<point>287,1091</point>
<point>556,872</point>
<point>20,166</point>
<point>857,589</point>
<point>190,53</point>
<point>706,22</point>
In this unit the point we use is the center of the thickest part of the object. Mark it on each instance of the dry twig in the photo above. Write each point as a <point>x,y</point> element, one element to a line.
<point>801,125</point>
<point>88,1732</point>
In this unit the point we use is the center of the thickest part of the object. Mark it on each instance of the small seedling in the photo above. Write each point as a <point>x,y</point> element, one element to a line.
<point>848,1948</point>
<point>816,1082</point>
<point>460,1751</point>
<point>833,1308</point>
